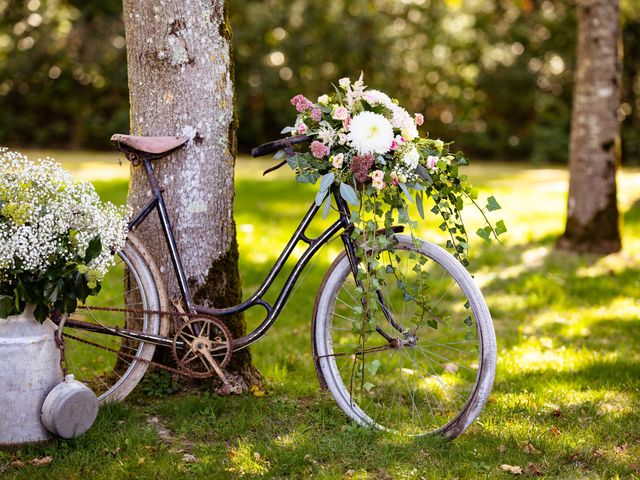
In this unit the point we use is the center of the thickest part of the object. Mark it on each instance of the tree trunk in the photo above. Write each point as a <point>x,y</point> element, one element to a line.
<point>181,83</point>
<point>592,214</point>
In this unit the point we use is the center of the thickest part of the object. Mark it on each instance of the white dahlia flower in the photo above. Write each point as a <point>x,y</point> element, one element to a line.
<point>370,133</point>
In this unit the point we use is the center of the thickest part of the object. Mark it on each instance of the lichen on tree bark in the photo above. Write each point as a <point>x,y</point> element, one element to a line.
<point>181,83</point>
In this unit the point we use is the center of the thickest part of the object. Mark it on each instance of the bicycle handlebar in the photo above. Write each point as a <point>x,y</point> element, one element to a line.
<point>278,144</point>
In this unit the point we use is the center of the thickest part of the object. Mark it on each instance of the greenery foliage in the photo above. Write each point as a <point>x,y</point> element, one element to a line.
<point>566,401</point>
<point>496,76</point>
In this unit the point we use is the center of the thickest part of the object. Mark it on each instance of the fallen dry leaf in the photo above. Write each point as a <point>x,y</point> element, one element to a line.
<point>257,391</point>
<point>502,448</point>
<point>256,455</point>
<point>189,458</point>
<point>16,464</point>
<point>621,448</point>
<point>555,431</point>
<point>41,461</point>
<point>531,450</point>
<point>533,469</point>
<point>557,412</point>
<point>513,469</point>
<point>140,460</point>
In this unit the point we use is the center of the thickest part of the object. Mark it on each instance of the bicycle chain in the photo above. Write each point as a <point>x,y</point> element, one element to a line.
<point>134,357</point>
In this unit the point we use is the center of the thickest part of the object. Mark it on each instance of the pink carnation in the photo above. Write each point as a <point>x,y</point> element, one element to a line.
<point>301,103</point>
<point>419,118</point>
<point>316,115</point>
<point>319,149</point>
<point>302,129</point>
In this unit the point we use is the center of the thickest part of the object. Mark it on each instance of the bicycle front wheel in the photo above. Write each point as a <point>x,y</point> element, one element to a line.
<point>436,373</point>
<point>112,364</point>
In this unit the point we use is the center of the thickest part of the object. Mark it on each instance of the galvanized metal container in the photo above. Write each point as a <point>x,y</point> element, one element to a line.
<point>29,369</point>
<point>70,409</point>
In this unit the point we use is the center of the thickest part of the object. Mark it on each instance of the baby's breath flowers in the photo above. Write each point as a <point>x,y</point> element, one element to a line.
<point>56,236</point>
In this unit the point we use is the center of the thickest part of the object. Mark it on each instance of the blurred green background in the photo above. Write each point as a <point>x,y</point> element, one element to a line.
<point>496,76</point>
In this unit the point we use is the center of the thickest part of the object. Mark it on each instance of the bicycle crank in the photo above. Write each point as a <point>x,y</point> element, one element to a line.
<point>202,347</point>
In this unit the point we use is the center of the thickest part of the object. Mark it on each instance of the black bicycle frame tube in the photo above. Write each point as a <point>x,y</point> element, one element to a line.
<point>158,203</point>
<point>342,224</point>
<point>256,299</point>
<point>273,311</point>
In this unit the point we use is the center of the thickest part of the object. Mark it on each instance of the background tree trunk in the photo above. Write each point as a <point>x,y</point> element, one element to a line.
<point>181,83</point>
<point>592,214</point>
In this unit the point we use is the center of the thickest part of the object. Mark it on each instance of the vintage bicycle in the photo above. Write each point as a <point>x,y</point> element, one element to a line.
<point>412,377</point>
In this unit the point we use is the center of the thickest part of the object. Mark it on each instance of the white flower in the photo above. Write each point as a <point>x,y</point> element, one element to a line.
<point>404,122</point>
<point>376,97</point>
<point>344,82</point>
<point>327,134</point>
<point>438,144</point>
<point>370,133</point>
<point>411,157</point>
<point>323,99</point>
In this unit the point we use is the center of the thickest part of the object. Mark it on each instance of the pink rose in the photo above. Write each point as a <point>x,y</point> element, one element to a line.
<point>419,119</point>
<point>302,129</point>
<point>319,149</point>
<point>432,162</point>
<point>337,160</point>
<point>394,178</point>
<point>340,113</point>
<point>377,175</point>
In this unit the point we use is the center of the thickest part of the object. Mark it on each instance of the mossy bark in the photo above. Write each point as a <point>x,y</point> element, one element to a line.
<point>181,83</point>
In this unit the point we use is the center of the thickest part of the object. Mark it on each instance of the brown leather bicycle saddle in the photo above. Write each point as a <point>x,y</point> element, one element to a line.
<point>150,145</point>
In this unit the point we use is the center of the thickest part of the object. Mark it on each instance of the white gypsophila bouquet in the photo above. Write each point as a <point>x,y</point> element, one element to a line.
<point>57,237</point>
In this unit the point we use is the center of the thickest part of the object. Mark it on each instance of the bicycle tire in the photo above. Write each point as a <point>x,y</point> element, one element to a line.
<point>89,354</point>
<point>390,404</point>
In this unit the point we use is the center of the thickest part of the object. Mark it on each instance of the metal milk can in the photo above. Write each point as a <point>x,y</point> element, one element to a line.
<point>29,369</point>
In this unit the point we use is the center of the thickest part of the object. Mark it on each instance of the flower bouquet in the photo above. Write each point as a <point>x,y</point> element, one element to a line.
<point>56,237</point>
<point>369,148</point>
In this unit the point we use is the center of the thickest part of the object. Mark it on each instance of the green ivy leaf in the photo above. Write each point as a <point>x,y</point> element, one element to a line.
<point>500,227</point>
<point>492,204</point>
<point>484,233</point>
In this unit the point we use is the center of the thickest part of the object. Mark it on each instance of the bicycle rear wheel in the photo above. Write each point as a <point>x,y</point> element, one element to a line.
<point>112,365</point>
<point>437,373</point>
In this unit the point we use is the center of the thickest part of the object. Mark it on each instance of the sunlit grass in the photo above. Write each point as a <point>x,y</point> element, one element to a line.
<point>567,393</point>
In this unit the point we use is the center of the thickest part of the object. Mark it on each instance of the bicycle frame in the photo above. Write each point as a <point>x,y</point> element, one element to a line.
<point>343,224</point>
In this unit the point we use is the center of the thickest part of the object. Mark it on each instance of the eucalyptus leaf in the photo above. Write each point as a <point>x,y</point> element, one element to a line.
<point>287,130</point>
<point>406,192</point>
<point>326,207</point>
<point>280,154</point>
<point>320,196</point>
<point>326,181</point>
<point>420,205</point>
<point>349,194</point>
<point>420,170</point>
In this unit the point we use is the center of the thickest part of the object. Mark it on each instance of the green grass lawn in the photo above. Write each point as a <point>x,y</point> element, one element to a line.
<point>566,403</point>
